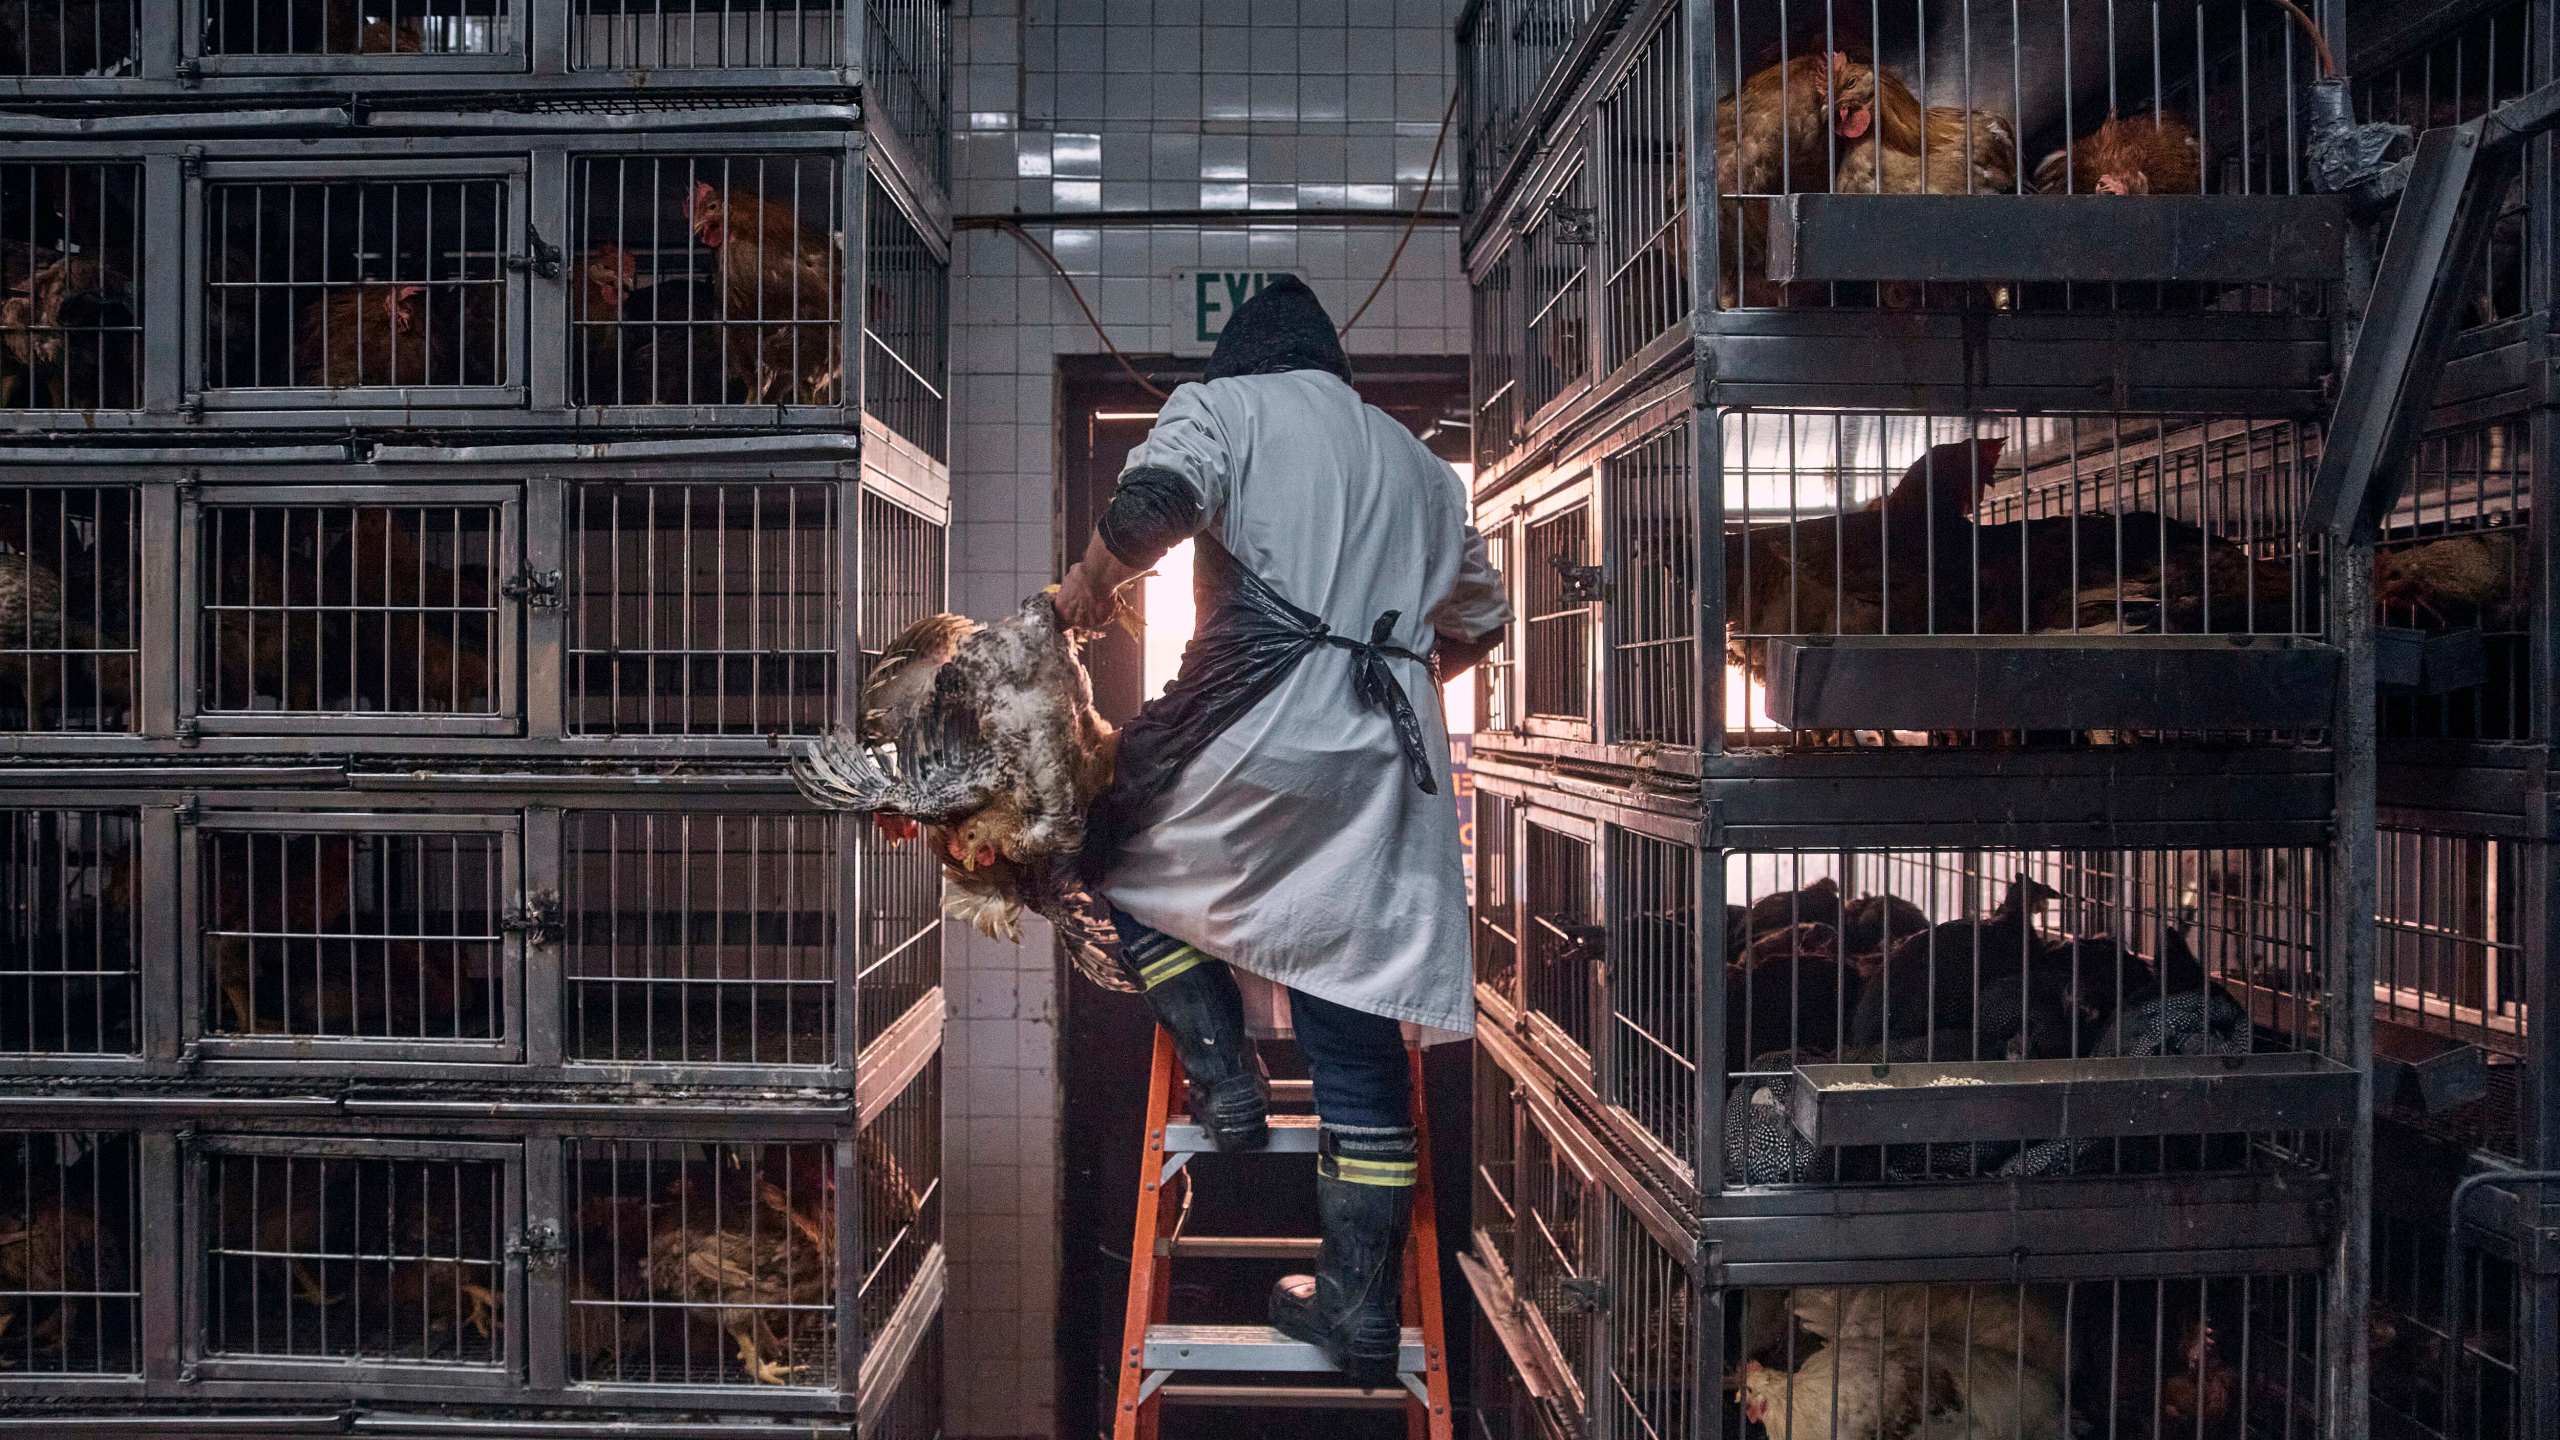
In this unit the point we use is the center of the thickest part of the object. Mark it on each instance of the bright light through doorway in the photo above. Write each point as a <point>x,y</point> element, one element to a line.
<point>1170,622</point>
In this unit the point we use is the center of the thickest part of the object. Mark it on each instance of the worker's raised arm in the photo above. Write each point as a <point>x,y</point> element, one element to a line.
<point>1469,621</point>
<point>1174,482</point>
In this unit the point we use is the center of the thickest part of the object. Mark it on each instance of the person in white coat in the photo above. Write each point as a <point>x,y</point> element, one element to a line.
<point>1283,808</point>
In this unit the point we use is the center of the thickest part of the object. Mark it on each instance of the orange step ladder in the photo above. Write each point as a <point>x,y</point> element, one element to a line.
<point>1158,1358</point>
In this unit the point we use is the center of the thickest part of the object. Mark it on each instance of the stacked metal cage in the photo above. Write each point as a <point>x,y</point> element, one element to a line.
<point>1949,1012</point>
<point>450,451</point>
<point>2466,1316</point>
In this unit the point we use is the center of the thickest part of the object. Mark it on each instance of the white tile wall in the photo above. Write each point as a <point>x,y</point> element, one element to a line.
<point>1082,108</point>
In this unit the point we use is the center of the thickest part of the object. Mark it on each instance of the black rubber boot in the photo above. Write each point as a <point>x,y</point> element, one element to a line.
<point>1203,1010</point>
<point>1350,1307</point>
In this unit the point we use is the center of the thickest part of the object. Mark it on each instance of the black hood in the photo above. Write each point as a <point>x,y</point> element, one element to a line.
<point>1282,328</point>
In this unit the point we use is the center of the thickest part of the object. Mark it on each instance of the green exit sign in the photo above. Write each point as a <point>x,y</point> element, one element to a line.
<point>1203,299</point>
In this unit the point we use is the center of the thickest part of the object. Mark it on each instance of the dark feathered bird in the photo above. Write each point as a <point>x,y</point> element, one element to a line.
<point>1878,922</point>
<point>1784,995</point>
<point>1965,977</point>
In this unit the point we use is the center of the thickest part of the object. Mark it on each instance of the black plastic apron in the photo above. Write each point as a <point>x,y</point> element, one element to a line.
<point>1246,643</point>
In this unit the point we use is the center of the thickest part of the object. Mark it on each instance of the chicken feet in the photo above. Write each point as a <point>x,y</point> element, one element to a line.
<point>754,1337</point>
<point>481,1309</point>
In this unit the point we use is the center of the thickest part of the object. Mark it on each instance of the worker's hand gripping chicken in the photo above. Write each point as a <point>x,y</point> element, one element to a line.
<point>1283,809</point>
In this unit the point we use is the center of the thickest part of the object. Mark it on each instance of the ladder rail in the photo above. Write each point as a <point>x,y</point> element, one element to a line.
<point>1150,1279</point>
<point>1145,1390</point>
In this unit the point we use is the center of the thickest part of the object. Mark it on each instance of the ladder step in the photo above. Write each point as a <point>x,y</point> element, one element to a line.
<point>1310,1397</point>
<point>1293,1092</point>
<point>1247,1247</point>
<point>1290,1135</point>
<point>1257,1349</point>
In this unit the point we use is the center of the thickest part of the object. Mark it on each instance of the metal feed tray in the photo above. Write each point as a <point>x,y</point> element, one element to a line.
<point>2008,238</point>
<point>2051,682</point>
<point>2069,1099</point>
<point>2430,663</point>
<point>2416,1070</point>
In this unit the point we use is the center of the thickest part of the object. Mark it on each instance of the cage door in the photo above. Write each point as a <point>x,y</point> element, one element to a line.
<point>356,937</point>
<point>227,38</point>
<point>384,610</point>
<point>363,1262</point>
<point>360,284</point>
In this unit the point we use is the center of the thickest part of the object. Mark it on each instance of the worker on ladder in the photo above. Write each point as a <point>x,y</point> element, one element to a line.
<point>1283,809</point>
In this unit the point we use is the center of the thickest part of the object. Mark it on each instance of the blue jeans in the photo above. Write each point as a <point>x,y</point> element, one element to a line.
<point>1356,1059</point>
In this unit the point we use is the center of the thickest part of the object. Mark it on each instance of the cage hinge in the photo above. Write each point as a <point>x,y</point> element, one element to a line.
<point>1575,225</point>
<point>1581,582</point>
<point>537,918</point>
<point>541,257</point>
<point>190,811</point>
<point>539,1245</point>
<point>190,73</point>
<point>1585,1294</point>
<point>1711,825</point>
<point>191,162</point>
<point>537,588</point>
<point>186,733</point>
<point>191,408</point>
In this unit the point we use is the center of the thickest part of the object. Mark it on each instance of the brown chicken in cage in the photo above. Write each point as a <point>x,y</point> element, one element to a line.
<point>435,1286</point>
<point>738,1268</point>
<point>52,1252</point>
<point>2470,578</point>
<point>780,289</point>
<point>267,1211</point>
<point>373,335</point>
<point>1774,136</point>
<point>2155,154</point>
<point>1897,146</point>
<point>2129,572</point>
<point>1886,569</point>
<point>69,329</point>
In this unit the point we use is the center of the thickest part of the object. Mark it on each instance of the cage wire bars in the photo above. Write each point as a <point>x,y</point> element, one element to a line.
<point>524,496</point>
<point>1955,862</point>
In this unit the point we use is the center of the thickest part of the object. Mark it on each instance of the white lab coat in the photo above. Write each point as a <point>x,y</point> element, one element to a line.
<point>1296,846</point>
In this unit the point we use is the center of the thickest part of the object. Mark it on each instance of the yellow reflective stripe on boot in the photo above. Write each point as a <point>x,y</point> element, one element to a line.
<point>1390,1173</point>
<point>1181,962</point>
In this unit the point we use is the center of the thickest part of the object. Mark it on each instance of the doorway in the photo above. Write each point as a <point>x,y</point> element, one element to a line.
<point>1104,1039</point>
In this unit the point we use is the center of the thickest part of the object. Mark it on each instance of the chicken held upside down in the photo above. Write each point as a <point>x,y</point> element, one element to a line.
<point>986,737</point>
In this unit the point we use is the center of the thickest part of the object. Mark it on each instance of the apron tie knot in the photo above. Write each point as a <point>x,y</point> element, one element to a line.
<point>1378,686</point>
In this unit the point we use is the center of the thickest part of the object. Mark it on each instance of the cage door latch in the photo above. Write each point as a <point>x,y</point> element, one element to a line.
<point>539,1245</point>
<point>537,588</point>
<point>540,256</point>
<point>537,918</point>
<point>1585,1294</point>
<point>1571,225</point>
<point>1581,582</point>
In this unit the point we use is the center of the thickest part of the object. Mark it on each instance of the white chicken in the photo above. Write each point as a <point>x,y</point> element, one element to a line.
<point>1939,1362</point>
<point>986,736</point>
<point>1875,1396</point>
